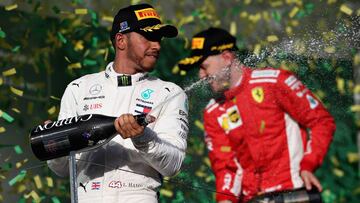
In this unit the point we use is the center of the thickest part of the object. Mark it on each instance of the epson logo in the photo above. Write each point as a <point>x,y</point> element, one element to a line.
<point>66,121</point>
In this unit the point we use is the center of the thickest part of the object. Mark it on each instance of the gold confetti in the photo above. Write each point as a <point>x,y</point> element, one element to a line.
<point>52,110</point>
<point>1,81</point>
<point>55,98</point>
<point>355,108</point>
<point>79,45</point>
<point>340,85</point>
<point>247,2</point>
<point>200,174</point>
<point>18,165</point>
<point>101,51</point>
<point>11,7</point>
<point>289,30</point>
<point>266,16</point>
<point>330,49</point>
<point>182,73</point>
<point>320,94</point>
<point>16,91</point>
<point>294,11</point>
<point>49,181</point>
<point>38,183</point>
<point>272,38</point>
<point>108,18</point>
<point>106,54</point>
<point>166,193</point>
<point>255,18</point>
<point>74,65</point>
<point>175,69</point>
<point>186,20</point>
<point>276,3</point>
<point>81,11</point>
<point>353,157</point>
<point>34,195</point>
<point>21,188</point>
<point>257,49</point>
<point>2,129</point>
<point>294,23</point>
<point>338,172</point>
<point>233,29</point>
<point>243,14</point>
<point>199,124</point>
<point>9,72</point>
<point>357,59</point>
<point>357,89</point>
<point>331,1</point>
<point>345,9</point>
<point>67,59</point>
<point>16,110</point>
<point>207,161</point>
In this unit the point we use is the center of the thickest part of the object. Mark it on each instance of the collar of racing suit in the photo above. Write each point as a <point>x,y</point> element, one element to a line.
<point>123,79</point>
<point>231,93</point>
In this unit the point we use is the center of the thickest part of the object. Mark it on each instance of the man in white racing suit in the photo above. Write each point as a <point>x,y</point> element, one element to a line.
<point>130,167</point>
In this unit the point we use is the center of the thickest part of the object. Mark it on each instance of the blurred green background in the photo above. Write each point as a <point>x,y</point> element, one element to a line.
<point>46,44</point>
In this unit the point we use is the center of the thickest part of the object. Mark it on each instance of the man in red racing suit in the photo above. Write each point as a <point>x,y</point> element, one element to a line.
<point>256,133</point>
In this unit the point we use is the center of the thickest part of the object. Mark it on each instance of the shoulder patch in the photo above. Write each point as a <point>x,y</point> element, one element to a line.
<point>211,105</point>
<point>265,73</point>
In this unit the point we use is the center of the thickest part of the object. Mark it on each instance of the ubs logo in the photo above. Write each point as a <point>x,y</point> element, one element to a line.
<point>95,89</point>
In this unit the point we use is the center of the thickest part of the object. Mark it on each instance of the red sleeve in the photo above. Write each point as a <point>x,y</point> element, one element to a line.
<point>222,159</point>
<point>301,104</point>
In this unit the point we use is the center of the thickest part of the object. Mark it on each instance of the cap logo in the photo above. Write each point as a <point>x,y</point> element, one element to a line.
<point>222,47</point>
<point>190,60</point>
<point>146,13</point>
<point>124,26</point>
<point>152,28</point>
<point>197,43</point>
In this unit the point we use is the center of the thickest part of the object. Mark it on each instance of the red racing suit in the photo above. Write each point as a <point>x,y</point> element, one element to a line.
<point>263,133</point>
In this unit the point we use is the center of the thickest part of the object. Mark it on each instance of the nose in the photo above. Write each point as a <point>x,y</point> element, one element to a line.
<point>155,45</point>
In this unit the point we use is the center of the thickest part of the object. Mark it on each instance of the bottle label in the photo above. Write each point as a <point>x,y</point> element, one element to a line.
<point>66,121</point>
<point>60,144</point>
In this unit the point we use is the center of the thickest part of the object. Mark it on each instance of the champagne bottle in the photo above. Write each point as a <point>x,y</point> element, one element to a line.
<point>57,139</point>
<point>300,195</point>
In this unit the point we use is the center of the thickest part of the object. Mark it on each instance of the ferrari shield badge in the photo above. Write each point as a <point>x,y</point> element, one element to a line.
<point>258,94</point>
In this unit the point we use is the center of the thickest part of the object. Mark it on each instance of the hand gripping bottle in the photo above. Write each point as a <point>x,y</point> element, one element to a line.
<point>57,139</point>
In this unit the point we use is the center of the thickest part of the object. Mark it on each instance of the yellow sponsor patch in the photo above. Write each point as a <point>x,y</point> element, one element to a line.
<point>197,43</point>
<point>231,119</point>
<point>146,13</point>
<point>258,94</point>
<point>225,149</point>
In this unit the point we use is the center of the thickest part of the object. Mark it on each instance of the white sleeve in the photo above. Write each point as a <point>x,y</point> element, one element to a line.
<point>163,147</point>
<point>60,166</point>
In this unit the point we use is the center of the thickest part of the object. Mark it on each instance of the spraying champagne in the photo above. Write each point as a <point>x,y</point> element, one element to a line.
<point>57,139</point>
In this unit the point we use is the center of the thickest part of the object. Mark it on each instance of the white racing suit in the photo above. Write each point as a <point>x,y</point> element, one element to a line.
<point>127,170</point>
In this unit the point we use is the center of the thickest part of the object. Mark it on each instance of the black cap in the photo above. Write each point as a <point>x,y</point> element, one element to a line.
<point>208,42</point>
<point>143,19</point>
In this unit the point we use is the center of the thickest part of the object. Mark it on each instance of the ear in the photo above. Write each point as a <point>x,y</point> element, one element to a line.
<point>120,41</point>
<point>227,56</point>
